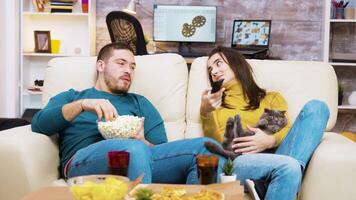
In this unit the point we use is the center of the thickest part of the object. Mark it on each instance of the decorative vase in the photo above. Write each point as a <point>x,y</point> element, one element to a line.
<point>352,98</point>
<point>339,13</point>
<point>225,179</point>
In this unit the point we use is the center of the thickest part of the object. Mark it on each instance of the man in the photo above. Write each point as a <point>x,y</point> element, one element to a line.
<point>83,151</point>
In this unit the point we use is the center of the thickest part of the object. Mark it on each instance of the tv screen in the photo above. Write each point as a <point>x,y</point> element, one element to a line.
<point>184,23</point>
<point>251,33</point>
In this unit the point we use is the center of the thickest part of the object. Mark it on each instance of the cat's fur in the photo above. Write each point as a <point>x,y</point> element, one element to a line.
<point>271,121</point>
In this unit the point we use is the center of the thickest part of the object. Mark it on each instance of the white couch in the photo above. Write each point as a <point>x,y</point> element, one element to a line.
<point>29,160</point>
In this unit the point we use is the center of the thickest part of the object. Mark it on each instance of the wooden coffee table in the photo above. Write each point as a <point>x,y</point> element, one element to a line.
<point>232,191</point>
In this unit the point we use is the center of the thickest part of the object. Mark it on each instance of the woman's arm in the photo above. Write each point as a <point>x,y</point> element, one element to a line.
<point>262,141</point>
<point>209,104</point>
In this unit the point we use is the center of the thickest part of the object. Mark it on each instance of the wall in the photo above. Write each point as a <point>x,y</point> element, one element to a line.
<point>9,59</point>
<point>296,27</point>
<point>2,60</point>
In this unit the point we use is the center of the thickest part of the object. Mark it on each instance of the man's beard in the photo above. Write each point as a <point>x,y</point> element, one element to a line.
<point>113,86</point>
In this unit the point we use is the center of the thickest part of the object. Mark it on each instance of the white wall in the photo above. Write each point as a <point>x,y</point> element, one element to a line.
<point>9,58</point>
<point>2,61</point>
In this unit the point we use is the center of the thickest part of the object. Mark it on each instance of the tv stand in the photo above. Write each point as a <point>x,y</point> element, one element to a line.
<point>185,50</point>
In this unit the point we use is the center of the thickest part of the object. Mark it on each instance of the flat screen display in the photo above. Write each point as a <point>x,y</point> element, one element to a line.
<point>184,23</point>
<point>251,33</point>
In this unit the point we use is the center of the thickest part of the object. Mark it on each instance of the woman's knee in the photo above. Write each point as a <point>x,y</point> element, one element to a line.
<point>317,107</point>
<point>290,170</point>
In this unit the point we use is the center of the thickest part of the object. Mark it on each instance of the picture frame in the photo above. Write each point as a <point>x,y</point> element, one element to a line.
<point>42,41</point>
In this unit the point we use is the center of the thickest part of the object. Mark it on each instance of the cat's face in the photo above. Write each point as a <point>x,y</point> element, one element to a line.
<point>276,119</point>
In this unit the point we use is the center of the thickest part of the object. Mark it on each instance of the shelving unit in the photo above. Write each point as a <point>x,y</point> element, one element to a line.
<point>328,44</point>
<point>76,32</point>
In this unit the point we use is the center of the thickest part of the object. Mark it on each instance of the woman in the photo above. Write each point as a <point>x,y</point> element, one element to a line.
<point>294,144</point>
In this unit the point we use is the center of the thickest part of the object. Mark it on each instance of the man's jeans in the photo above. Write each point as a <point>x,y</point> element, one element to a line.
<point>173,162</point>
<point>284,168</point>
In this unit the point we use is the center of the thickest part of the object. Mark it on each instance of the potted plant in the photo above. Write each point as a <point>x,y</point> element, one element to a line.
<point>228,172</point>
<point>340,94</point>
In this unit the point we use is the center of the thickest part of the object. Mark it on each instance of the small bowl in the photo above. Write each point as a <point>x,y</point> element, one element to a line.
<point>121,128</point>
<point>94,187</point>
<point>79,180</point>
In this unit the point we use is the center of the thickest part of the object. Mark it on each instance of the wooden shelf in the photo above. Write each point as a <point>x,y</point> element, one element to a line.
<point>342,64</point>
<point>74,30</point>
<point>342,20</point>
<point>53,14</point>
<point>43,54</point>
<point>47,54</point>
<point>29,92</point>
<point>347,107</point>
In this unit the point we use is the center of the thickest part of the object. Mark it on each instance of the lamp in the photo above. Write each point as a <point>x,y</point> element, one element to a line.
<point>131,7</point>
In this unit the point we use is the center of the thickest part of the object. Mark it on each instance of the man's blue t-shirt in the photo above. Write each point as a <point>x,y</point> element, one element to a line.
<point>83,130</point>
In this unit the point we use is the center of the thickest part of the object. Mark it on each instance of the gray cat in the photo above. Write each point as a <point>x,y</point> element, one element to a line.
<point>271,121</point>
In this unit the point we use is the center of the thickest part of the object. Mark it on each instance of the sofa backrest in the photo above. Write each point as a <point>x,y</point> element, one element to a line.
<point>162,78</point>
<point>297,81</point>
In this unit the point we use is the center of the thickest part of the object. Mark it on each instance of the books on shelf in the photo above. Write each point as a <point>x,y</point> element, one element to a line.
<point>65,6</point>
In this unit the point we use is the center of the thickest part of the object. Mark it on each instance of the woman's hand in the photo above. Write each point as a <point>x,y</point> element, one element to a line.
<point>102,107</point>
<point>255,143</point>
<point>210,102</point>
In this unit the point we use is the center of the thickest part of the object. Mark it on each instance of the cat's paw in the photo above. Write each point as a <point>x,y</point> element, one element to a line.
<point>237,119</point>
<point>229,126</point>
<point>230,122</point>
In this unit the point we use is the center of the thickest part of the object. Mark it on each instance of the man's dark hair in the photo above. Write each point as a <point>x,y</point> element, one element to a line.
<point>106,51</point>
<point>243,73</point>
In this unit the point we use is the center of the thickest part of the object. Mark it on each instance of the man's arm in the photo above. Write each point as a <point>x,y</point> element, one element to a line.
<point>155,132</point>
<point>50,119</point>
<point>62,109</point>
<point>71,110</point>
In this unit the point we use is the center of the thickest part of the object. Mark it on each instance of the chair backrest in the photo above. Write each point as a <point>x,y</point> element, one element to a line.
<point>125,28</point>
<point>297,81</point>
<point>161,78</point>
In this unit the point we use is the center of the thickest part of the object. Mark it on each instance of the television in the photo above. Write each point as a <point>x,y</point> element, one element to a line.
<point>251,33</point>
<point>184,24</point>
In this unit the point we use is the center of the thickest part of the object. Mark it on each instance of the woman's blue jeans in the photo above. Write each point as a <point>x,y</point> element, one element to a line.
<point>284,168</point>
<point>173,162</point>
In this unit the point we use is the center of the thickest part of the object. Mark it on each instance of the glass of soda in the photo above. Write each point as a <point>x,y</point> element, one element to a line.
<point>118,162</point>
<point>207,168</point>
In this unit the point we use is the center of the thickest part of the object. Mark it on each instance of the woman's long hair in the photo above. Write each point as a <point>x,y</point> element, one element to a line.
<point>243,74</point>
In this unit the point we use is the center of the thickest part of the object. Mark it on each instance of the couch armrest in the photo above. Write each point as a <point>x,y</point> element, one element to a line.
<point>331,173</point>
<point>28,162</point>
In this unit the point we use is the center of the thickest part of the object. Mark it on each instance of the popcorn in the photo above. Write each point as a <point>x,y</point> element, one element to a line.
<point>122,127</point>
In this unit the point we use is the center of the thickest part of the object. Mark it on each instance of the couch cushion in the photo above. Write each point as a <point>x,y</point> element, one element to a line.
<point>162,78</point>
<point>297,81</point>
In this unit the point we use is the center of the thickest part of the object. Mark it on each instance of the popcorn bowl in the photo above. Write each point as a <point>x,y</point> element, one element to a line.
<point>121,128</point>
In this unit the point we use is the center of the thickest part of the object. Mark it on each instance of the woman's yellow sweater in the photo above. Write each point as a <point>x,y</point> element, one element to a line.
<point>234,103</point>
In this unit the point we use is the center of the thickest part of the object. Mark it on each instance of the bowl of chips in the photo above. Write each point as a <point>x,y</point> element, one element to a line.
<point>99,187</point>
<point>122,127</point>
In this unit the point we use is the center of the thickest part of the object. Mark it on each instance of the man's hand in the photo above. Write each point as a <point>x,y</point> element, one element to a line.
<point>210,102</point>
<point>140,135</point>
<point>102,107</point>
<point>254,144</point>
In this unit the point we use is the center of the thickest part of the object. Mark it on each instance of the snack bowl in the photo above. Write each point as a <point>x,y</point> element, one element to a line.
<point>121,128</point>
<point>95,187</point>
